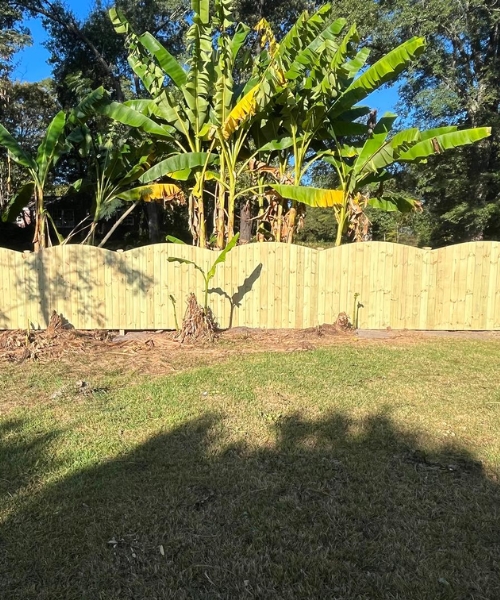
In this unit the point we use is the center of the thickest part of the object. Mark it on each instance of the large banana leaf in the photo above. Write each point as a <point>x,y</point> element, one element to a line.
<point>199,83</point>
<point>18,202</point>
<point>378,152</point>
<point>315,197</point>
<point>151,193</point>
<point>87,106</point>
<point>15,150</point>
<point>384,70</point>
<point>224,84</point>
<point>166,61</point>
<point>307,57</point>
<point>395,203</point>
<point>47,151</point>
<point>446,141</point>
<point>177,163</point>
<point>128,116</point>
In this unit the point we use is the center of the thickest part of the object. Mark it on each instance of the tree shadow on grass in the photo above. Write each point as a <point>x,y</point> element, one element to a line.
<point>338,508</point>
<point>23,458</point>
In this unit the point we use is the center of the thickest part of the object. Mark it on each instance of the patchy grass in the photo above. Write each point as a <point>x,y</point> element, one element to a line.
<point>363,471</point>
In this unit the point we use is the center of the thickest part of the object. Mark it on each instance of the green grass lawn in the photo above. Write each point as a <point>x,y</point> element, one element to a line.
<point>362,471</point>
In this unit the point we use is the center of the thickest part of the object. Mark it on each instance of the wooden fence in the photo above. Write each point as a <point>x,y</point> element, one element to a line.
<point>267,285</point>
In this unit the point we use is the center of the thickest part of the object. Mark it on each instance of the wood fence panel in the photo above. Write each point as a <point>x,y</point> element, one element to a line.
<point>269,285</point>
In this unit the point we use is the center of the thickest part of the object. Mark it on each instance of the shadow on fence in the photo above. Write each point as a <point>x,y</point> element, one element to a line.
<point>244,289</point>
<point>39,288</point>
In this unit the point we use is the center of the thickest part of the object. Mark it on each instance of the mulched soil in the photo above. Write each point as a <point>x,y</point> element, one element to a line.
<point>160,351</point>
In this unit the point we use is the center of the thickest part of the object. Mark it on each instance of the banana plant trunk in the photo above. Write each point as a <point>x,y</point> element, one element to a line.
<point>202,228</point>
<point>220,207</point>
<point>230,205</point>
<point>292,218</point>
<point>220,219</point>
<point>39,238</point>
<point>341,223</point>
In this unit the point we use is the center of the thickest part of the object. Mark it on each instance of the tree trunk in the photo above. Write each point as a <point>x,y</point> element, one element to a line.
<point>245,224</point>
<point>153,213</point>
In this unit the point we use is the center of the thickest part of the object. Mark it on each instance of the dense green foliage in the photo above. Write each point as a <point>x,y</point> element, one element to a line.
<point>277,105</point>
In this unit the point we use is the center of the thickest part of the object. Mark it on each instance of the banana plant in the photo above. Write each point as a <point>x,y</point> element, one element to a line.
<point>115,165</point>
<point>209,274</point>
<point>52,147</point>
<point>324,70</point>
<point>209,111</point>
<point>182,105</point>
<point>321,115</point>
<point>359,167</point>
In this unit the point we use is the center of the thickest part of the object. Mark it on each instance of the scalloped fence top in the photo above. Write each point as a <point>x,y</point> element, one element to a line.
<point>266,285</point>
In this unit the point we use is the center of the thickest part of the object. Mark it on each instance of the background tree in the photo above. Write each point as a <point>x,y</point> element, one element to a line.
<point>13,37</point>
<point>25,110</point>
<point>458,81</point>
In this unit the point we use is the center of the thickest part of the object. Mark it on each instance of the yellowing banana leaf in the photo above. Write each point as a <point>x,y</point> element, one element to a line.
<point>267,36</point>
<point>153,192</point>
<point>315,197</point>
<point>244,109</point>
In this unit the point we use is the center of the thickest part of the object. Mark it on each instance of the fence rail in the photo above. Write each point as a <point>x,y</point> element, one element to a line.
<point>267,285</point>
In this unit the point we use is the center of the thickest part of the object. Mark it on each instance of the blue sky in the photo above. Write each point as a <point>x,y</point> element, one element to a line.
<point>32,61</point>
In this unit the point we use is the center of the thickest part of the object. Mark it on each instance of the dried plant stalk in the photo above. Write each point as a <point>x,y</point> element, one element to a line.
<point>198,323</point>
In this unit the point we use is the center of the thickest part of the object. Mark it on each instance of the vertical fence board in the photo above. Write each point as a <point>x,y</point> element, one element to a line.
<point>493,288</point>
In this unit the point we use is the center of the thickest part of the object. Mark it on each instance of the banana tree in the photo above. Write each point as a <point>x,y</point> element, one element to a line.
<point>242,120</point>
<point>209,111</point>
<point>119,163</point>
<point>324,71</point>
<point>183,105</point>
<point>359,167</point>
<point>52,147</point>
